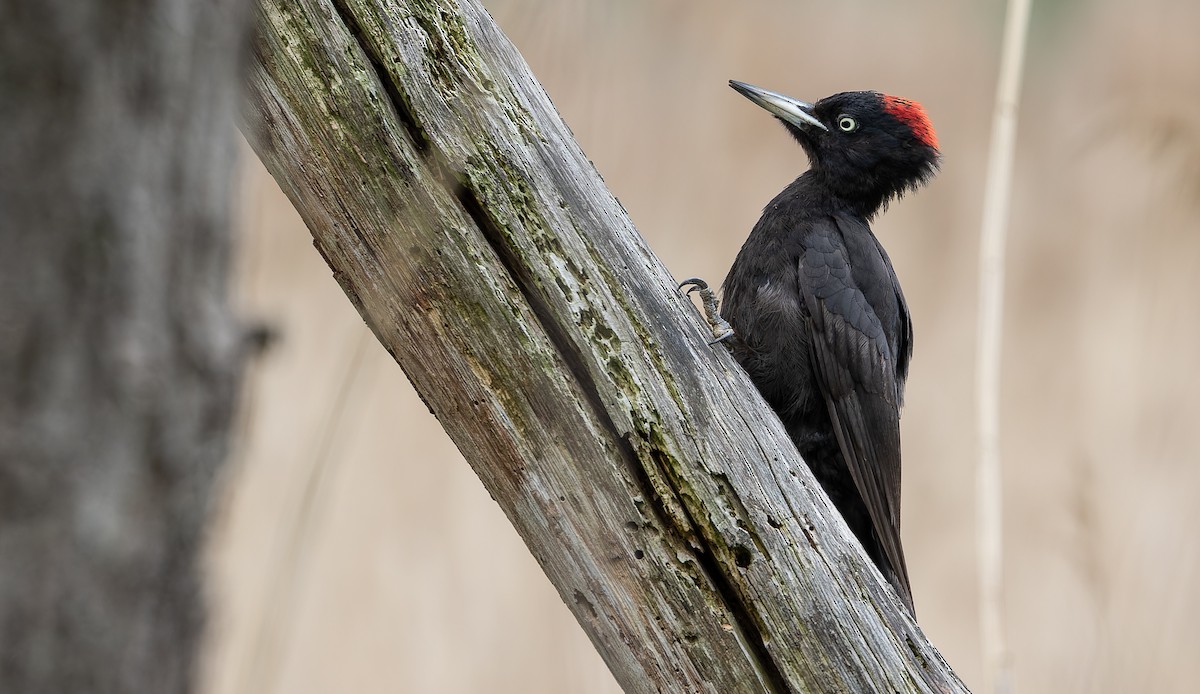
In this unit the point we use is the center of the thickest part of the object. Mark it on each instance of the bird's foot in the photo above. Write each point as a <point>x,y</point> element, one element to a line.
<point>721,329</point>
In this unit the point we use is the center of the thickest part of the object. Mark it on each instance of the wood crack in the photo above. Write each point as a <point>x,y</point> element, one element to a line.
<point>706,560</point>
<point>400,104</point>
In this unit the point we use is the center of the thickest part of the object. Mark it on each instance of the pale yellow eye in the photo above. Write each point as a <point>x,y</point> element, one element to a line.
<point>847,124</point>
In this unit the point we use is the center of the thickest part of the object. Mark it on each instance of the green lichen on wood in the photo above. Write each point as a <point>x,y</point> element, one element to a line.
<point>656,462</point>
<point>448,45</point>
<point>646,341</point>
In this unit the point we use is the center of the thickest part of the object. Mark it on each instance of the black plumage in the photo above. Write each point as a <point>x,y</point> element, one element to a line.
<point>818,316</point>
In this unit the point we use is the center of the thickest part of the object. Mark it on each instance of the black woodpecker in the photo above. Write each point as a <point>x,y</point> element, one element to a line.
<point>817,315</point>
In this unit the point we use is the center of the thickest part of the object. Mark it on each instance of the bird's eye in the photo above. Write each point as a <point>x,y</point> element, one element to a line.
<point>847,124</point>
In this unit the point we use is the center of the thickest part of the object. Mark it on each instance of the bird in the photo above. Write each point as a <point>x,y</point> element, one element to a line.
<point>813,310</point>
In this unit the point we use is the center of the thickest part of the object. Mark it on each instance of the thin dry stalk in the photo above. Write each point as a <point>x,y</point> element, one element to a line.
<point>991,313</point>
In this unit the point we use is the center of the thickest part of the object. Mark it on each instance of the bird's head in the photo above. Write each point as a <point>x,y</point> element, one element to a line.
<point>867,147</point>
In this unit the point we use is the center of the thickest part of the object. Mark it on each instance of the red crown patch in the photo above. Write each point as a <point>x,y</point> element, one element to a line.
<point>913,115</point>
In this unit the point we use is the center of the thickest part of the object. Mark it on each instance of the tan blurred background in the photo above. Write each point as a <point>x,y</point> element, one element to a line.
<point>356,552</point>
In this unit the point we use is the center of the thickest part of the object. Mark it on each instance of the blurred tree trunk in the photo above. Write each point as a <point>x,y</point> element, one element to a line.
<point>118,350</point>
<point>643,470</point>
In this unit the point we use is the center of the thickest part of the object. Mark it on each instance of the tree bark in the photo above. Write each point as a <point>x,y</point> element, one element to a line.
<point>118,350</point>
<point>657,490</point>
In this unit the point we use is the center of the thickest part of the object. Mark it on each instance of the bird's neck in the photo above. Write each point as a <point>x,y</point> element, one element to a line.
<point>857,196</point>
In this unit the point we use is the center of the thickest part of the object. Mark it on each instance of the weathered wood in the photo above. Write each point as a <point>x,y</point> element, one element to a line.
<point>657,490</point>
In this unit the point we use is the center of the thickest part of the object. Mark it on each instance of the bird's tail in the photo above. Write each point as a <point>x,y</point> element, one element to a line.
<point>897,576</point>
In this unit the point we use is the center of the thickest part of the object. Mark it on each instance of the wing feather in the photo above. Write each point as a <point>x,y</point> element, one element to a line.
<point>857,374</point>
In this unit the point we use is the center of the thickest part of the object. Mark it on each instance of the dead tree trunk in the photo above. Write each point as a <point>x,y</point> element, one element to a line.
<point>657,490</point>
<point>118,350</point>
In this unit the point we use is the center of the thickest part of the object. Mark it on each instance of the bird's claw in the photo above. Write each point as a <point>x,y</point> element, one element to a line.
<point>722,334</point>
<point>721,329</point>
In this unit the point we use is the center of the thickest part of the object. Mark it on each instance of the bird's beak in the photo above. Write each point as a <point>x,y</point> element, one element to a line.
<point>794,111</point>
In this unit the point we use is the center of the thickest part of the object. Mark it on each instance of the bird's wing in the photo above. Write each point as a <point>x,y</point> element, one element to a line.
<point>904,338</point>
<point>856,372</point>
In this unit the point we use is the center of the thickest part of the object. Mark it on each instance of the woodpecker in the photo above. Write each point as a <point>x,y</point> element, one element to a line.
<point>814,310</point>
